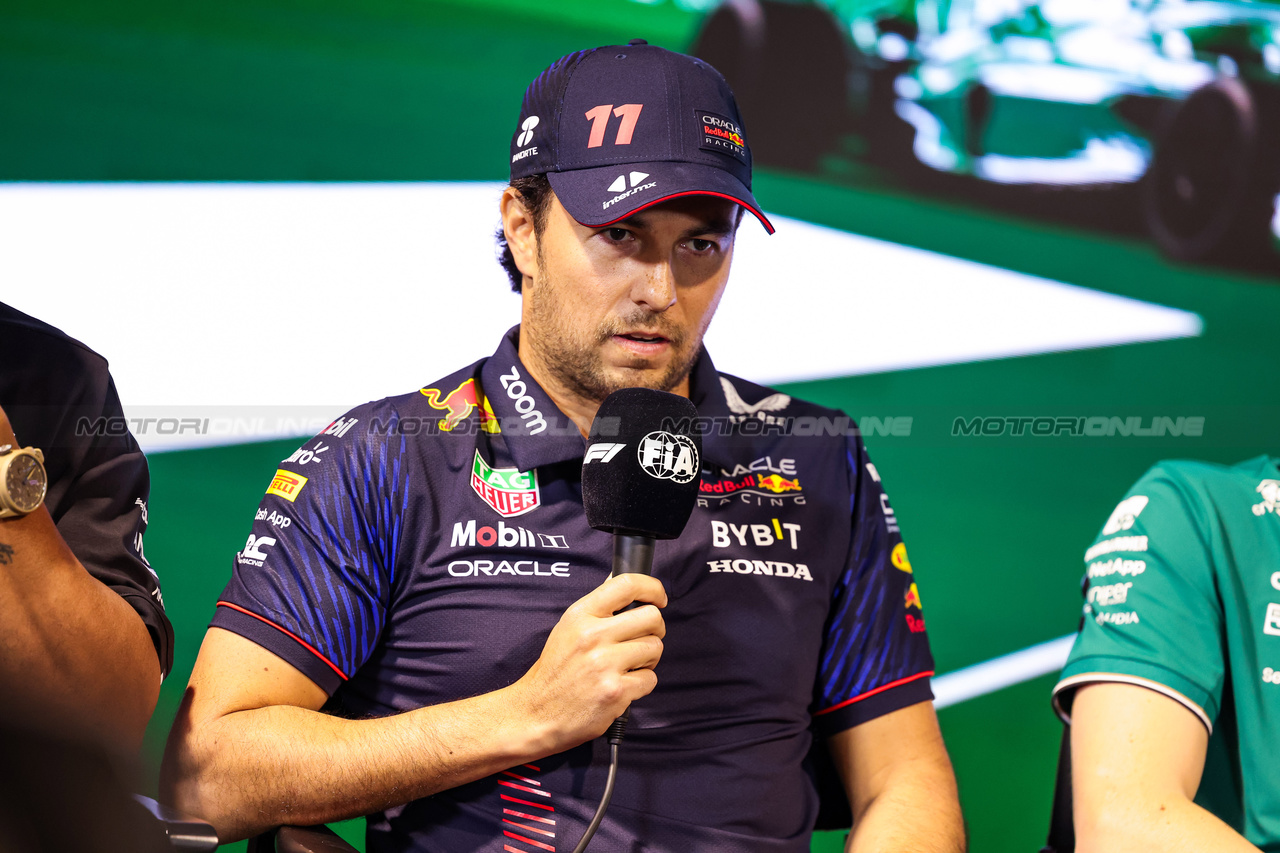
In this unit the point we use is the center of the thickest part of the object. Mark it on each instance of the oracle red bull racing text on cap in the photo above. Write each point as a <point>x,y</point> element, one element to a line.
<point>617,129</point>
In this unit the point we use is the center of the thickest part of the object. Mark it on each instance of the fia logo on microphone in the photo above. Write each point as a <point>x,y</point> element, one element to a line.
<point>667,456</point>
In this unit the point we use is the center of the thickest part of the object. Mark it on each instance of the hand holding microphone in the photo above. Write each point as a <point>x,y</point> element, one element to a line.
<point>594,663</point>
<point>640,482</point>
<point>640,476</point>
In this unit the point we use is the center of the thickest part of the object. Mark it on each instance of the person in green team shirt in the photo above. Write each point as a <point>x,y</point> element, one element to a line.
<point>1173,686</point>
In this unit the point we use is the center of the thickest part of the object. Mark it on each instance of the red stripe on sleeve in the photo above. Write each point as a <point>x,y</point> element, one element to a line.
<point>880,689</point>
<point>287,633</point>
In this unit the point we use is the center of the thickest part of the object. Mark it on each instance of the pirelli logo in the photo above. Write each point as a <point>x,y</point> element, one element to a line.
<point>286,484</point>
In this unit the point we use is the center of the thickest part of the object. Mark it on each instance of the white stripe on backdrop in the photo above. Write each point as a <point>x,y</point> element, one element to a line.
<point>305,299</point>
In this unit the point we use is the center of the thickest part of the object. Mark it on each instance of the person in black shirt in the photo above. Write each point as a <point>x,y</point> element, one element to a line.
<point>86,641</point>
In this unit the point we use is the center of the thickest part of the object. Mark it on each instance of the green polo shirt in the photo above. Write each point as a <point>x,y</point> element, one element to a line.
<point>1183,597</point>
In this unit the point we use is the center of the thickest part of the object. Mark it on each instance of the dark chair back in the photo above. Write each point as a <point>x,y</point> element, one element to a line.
<point>1062,830</point>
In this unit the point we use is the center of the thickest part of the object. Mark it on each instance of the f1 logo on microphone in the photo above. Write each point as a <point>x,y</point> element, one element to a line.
<point>602,452</point>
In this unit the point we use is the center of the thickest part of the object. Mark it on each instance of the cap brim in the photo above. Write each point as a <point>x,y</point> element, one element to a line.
<point>603,195</point>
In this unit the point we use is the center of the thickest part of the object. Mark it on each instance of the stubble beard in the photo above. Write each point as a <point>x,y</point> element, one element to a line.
<point>574,356</point>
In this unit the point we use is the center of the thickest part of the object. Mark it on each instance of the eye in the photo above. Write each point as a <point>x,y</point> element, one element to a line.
<point>617,235</point>
<point>701,246</point>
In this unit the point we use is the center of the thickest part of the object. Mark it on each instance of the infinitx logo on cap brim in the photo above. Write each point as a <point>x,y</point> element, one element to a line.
<point>619,186</point>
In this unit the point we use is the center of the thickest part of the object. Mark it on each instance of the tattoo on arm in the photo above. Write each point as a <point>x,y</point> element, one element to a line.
<point>6,554</point>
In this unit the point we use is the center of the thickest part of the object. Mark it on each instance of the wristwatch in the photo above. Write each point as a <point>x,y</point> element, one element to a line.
<point>23,480</point>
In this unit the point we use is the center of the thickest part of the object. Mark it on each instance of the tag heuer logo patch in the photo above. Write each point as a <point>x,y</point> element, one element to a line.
<point>508,491</point>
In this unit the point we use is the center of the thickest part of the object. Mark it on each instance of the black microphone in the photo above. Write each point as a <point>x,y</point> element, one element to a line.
<point>640,472</point>
<point>640,479</point>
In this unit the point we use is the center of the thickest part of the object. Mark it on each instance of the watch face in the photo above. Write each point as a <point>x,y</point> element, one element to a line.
<point>25,481</point>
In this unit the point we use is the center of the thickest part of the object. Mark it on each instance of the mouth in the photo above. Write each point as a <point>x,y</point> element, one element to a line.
<point>642,342</point>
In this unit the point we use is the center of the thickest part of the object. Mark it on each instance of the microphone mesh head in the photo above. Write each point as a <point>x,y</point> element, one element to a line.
<point>643,464</point>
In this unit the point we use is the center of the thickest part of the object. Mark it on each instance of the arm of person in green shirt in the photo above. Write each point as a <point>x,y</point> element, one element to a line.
<point>1144,753</point>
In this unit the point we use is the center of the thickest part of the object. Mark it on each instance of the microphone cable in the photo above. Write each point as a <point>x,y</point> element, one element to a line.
<point>616,730</point>
<point>639,496</point>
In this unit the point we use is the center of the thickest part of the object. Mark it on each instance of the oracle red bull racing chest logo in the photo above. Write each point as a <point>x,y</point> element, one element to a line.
<point>508,491</point>
<point>773,489</point>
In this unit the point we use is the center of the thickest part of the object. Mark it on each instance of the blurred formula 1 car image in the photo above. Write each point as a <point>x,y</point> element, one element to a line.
<point>1178,98</point>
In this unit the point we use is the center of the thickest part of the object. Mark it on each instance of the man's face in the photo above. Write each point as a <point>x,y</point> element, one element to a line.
<point>626,305</point>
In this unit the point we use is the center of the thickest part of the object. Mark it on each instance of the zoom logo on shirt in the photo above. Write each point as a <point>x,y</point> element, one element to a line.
<point>253,555</point>
<point>534,422</point>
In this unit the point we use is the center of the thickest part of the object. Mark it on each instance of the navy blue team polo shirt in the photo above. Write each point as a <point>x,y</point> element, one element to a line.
<point>421,549</point>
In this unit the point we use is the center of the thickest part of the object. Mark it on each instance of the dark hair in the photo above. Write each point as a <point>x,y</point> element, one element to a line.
<point>536,192</point>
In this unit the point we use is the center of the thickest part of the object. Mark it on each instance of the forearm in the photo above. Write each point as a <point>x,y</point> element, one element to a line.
<point>250,749</point>
<point>254,769</point>
<point>73,652</point>
<point>1172,825</point>
<point>1137,757</point>
<point>917,811</point>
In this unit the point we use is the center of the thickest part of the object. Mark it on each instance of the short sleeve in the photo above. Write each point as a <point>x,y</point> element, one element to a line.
<point>875,656</point>
<point>314,580</point>
<point>103,516</point>
<point>60,397</point>
<point>1152,615</point>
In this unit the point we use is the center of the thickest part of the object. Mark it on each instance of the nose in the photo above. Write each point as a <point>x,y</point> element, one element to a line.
<point>656,289</point>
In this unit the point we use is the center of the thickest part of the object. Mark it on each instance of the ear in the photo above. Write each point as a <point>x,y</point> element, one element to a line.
<point>517,227</point>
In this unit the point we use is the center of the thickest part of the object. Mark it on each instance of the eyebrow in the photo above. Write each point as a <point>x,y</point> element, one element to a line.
<point>719,226</point>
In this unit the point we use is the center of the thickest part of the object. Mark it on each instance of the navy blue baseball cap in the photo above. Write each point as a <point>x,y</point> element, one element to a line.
<point>617,129</point>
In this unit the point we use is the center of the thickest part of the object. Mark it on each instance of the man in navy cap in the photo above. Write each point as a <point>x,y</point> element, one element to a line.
<point>422,628</point>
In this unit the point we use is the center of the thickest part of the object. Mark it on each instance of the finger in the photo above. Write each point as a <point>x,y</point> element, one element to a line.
<point>617,592</point>
<point>639,683</point>
<point>646,620</point>
<point>642,653</point>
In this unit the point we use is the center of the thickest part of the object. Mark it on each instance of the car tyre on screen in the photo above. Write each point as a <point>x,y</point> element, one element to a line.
<point>1209,192</point>
<point>788,66</point>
